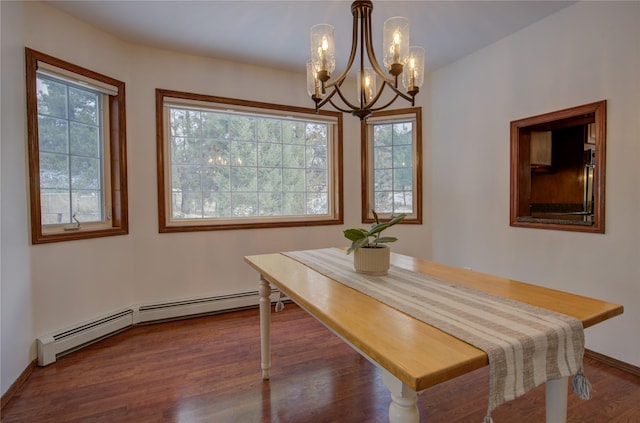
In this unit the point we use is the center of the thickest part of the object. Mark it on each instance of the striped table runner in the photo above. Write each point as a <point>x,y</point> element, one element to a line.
<point>526,345</point>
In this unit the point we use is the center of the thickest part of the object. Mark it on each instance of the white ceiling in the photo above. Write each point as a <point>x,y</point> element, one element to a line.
<point>276,33</point>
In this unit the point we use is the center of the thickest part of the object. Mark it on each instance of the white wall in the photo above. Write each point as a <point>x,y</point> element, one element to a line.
<point>16,333</point>
<point>587,52</point>
<point>52,286</point>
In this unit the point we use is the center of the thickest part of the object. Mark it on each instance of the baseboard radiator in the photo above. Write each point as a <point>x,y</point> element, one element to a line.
<point>52,346</point>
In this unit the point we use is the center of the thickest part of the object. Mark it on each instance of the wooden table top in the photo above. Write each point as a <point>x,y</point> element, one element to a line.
<point>416,353</point>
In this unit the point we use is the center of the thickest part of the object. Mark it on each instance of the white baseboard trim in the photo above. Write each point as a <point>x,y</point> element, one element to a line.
<point>57,344</point>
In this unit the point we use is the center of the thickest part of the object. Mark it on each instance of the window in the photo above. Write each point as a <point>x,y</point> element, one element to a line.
<point>77,151</point>
<point>392,164</point>
<point>228,164</point>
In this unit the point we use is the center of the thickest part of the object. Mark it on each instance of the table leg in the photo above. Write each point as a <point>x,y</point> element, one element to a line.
<point>403,408</point>
<point>556,398</point>
<point>265,326</point>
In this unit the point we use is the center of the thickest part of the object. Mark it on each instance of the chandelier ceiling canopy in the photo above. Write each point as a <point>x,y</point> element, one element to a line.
<point>400,61</point>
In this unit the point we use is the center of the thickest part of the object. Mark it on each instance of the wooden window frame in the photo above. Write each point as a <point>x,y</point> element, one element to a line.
<point>119,222</point>
<point>336,212</point>
<point>367,166</point>
<point>520,170</point>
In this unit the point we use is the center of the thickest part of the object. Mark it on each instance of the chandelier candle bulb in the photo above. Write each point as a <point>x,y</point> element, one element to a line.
<point>323,50</point>
<point>413,75</point>
<point>313,83</point>
<point>395,43</point>
<point>367,85</point>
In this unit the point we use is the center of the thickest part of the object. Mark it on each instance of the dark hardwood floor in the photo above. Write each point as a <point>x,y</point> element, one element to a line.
<point>207,369</point>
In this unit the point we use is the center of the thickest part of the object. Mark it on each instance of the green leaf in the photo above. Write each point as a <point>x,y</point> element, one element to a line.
<point>384,239</point>
<point>355,234</point>
<point>397,219</point>
<point>357,244</point>
<point>375,216</point>
<point>378,227</point>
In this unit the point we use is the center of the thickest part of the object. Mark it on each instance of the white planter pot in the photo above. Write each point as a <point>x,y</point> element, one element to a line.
<point>372,261</point>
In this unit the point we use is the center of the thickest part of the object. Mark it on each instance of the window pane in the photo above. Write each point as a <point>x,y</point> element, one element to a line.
<point>269,130</point>
<point>54,171</point>
<point>402,179</point>
<point>217,205</point>
<point>402,156</point>
<point>243,153</point>
<point>382,135</point>
<point>293,156</point>
<point>316,134</point>
<point>316,180</point>
<point>215,179</point>
<point>270,154</point>
<point>242,128</point>
<point>382,179</point>
<point>52,98</point>
<point>215,152</point>
<point>244,204</point>
<point>402,133</point>
<point>293,132</point>
<point>215,126</point>
<point>270,179</point>
<point>317,203</point>
<point>83,106</point>
<point>270,203</point>
<point>87,205</point>
<point>244,179</point>
<point>191,204</point>
<point>294,203</point>
<point>316,157</point>
<point>55,206</point>
<point>185,150</point>
<point>293,180</point>
<point>85,173</point>
<point>84,140</point>
<point>384,202</point>
<point>52,134</point>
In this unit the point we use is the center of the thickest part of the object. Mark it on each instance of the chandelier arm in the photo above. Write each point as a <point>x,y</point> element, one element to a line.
<point>354,46</point>
<point>326,100</point>
<point>386,105</point>
<point>398,92</point>
<point>370,51</point>
<point>340,108</point>
<point>344,99</point>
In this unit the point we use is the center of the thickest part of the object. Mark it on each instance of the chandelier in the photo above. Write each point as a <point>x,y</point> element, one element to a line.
<point>400,60</point>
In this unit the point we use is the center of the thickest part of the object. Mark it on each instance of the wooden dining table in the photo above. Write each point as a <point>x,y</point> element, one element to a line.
<point>413,355</point>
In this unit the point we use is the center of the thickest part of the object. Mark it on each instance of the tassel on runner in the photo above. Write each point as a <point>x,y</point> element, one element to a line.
<point>581,386</point>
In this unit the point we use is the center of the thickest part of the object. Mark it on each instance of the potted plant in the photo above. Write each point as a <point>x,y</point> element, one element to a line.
<point>371,256</point>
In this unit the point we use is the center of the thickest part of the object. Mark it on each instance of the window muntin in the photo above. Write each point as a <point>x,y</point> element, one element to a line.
<point>232,163</point>
<point>392,182</point>
<point>77,151</point>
